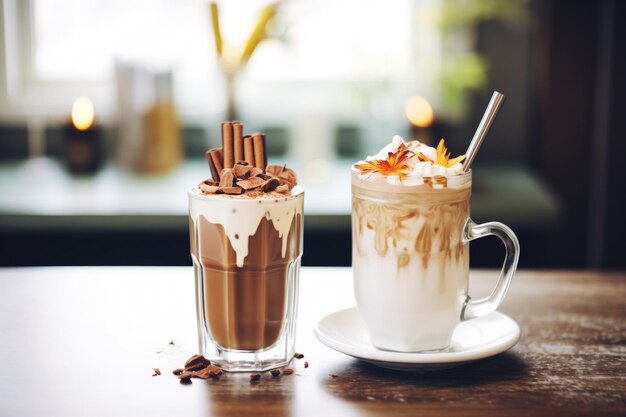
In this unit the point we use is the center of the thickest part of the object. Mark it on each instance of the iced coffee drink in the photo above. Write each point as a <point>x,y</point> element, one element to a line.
<point>411,229</point>
<point>246,244</point>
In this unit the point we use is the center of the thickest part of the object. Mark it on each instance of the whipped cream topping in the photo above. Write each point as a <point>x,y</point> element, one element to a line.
<point>418,169</point>
<point>241,218</point>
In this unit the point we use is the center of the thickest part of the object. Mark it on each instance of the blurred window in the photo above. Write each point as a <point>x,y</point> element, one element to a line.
<point>79,39</point>
<point>349,62</point>
<point>323,39</point>
<point>69,48</point>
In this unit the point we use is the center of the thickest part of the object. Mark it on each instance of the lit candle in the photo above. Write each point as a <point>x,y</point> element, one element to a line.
<point>83,142</point>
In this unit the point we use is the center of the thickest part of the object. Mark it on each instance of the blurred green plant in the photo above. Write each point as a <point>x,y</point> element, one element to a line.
<point>460,74</point>
<point>458,14</point>
<point>467,71</point>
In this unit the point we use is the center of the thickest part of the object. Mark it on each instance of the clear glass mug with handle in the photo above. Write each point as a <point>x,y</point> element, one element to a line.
<point>410,259</point>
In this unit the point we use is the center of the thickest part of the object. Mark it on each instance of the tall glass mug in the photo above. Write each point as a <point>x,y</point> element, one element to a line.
<point>410,257</point>
<point>246,255</point>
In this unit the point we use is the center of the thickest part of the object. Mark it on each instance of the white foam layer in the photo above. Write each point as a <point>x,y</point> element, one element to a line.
<point>240,218</point>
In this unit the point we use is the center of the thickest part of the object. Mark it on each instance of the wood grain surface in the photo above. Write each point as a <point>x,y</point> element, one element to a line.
<point>84,342</point>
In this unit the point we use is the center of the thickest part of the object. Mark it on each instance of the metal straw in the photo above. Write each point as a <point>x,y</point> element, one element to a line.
<point>497,99</point>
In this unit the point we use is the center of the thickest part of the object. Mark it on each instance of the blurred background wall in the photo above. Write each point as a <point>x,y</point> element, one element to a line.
<point>329,82</point>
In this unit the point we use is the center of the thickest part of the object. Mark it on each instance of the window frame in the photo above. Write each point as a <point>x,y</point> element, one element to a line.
<point>23,96</point>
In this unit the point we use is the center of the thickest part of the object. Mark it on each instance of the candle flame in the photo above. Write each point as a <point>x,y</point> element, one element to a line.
<point>419,111</point>
<point>82,113</point>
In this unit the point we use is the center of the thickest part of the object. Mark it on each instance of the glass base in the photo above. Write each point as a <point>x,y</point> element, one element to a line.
<point>237,361</point>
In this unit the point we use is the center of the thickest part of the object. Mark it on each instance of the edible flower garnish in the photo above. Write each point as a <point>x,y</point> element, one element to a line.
<point>394,165</point>
<point>443,156</point>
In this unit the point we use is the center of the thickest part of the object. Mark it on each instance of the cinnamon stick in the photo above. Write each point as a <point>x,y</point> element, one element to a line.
<point>228,145</point>
<point>216,158</point>
<point>215,174</point>
<point>260,155</point>
<point>238,141</point>
<point>248,150</point>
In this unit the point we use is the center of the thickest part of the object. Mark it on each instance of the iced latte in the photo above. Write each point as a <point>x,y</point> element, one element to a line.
<point>410,236</point>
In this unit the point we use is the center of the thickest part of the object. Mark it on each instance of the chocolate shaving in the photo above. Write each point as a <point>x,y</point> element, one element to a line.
<point>210,371</point>
<point>185,376</point>
<point>298,355</point>
<point>255,377</point>
<point>214,370</point>
<point>274,169</point>
<point>287,371</point>
<point>195,367</point>
<point>306,364</point>
<point>254,193</point>
<point>275,372</point>
<point>226,178</point>
<point>206,373</point>
<point>202,374</point>
<point>250,184</point>
<point>231,190</point>
<point>270,185</point>
<point>241,171</point>
<point>195,359</point>
<point>255,172</point>
<point>288,176</point>
<point>208,189</point>
<point>157,372</point>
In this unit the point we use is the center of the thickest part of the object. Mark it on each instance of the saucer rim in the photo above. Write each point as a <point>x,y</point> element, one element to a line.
<point>373,354</point>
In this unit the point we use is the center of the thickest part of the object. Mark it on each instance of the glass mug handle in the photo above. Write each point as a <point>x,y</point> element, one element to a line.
<point>484,306</point>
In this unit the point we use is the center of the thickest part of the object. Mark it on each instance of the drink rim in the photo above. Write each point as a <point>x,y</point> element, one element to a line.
<point>296,192</point>
<point>381,184</point>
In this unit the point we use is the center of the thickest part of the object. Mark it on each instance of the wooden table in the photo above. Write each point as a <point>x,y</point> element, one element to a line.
<point>84,342</point>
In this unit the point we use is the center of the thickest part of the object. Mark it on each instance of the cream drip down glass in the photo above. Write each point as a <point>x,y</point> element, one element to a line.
<point>410,256</point>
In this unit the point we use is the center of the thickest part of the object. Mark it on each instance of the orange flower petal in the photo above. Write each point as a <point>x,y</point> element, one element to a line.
<point>424,158</point>
<point>441,151</point>
<point>443,156</point>
<point>394,165</point>
<point>455,160</point>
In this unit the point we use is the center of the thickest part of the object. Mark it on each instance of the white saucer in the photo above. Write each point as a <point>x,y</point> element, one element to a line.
<point>472,340</point>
